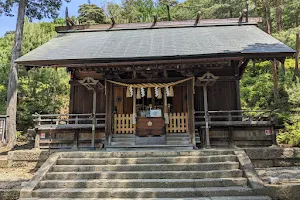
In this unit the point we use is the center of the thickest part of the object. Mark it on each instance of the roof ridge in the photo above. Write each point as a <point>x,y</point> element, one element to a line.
<point>158,25</point>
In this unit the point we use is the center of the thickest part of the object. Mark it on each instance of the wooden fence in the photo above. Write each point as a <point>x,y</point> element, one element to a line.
<point>178,123</point>
<point>123,124</point>
<point>234,117</point>
<point>65,131</point>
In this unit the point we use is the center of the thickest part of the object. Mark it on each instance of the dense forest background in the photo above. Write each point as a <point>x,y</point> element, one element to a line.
<point>46,90</point>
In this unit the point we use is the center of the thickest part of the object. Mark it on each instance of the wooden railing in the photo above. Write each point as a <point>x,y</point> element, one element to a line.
<point>178,123</point>
<point>66,131</point>
<point>123,124</point>
<point>68,121</point>
<point>2,127</point>
<point>234,117</point>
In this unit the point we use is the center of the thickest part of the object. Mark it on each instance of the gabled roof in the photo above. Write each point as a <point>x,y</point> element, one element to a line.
<point>155,44</point>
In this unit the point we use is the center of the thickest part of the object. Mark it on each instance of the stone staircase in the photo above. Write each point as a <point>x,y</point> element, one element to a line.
<point>130,142</point>
<point>204,175</point>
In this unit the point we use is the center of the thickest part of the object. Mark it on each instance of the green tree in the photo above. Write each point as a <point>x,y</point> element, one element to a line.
<point>91,14</point>
<point>32,9</point>
<point>41,90</point>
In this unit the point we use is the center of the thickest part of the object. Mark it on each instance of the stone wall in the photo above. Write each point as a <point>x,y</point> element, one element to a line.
<point>9,194</point>
<point>27,158</point>
<point>274,157</point>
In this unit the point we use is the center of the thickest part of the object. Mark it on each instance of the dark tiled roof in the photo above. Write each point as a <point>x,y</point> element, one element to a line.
<point>156,43</point>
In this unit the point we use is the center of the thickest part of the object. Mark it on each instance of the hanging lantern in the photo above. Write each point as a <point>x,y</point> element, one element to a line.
<point>149,95</point>
<point>138,93</point>
<point>143,93</point>
<point>159,96</point>
<point>128,93</point>
<point>167,91</point>
<point>171,91</point>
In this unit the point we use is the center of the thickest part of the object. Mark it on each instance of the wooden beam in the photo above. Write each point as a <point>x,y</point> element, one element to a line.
<point>110,63</point>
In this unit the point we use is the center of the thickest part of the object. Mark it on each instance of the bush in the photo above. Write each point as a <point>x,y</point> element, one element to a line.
<point>291,135</point>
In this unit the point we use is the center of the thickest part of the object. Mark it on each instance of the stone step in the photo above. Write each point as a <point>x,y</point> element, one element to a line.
<point>144,183</point>
<point>137,154</point>
<point>178,142</point>
<point>118,148</point>
<point>129,143</point>
<point>177,138</point>
<point>150,160</point>
<point>141,192</point>
<point>197,198</point>
<point>148,167</point>
<point>145,175</point>
<point>123,139</point>
<point>177,135</point>
<point>123,136</point>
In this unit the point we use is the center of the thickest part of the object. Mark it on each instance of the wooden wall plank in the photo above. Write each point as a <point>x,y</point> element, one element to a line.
<point>119,99</point>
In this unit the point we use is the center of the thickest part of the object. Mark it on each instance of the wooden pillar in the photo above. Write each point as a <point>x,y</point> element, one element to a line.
<point>166,116</point>
<point>238,95</point>
<point>191,110</point>
<point>134,106</point>
<point>94,119</point>
<point>108,112</point>
<point>37,141</point>
<point>237,85</point>
<point>37,135</point>
<point>71,100</point>
<point>206,116</point>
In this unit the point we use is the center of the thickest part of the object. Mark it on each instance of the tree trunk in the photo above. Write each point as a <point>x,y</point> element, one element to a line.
<point>275,82</point>
<point>279,11</point>
<point>268,19</point>
<point>297,19</point>
<point>13,78</point>
<point>297,56</point>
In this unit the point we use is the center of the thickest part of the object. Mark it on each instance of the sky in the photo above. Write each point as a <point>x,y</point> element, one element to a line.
<point>9,23</point>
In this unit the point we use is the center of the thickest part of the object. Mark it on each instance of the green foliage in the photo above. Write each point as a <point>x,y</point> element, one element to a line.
<point>43,91</point>
<point>291,135</point>
<point>288,37</point>
<point>35,9</point>
<point>40,90</point>
<point>91,14</point>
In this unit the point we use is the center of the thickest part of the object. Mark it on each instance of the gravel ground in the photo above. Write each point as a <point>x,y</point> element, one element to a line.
<point>12,178</point>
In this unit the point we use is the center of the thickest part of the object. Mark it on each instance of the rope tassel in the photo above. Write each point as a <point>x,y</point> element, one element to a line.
<point>138,93</point>
<point>149,95</point>
<point>128,93</point>
<point>168,91</point>
<point>171,91</point>
<point>159,96</point>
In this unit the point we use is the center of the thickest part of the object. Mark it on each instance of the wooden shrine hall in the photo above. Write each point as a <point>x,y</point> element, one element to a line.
<point>156,85</point>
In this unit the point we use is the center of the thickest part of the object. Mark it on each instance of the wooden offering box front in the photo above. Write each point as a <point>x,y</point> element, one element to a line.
<point>148,126</point>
